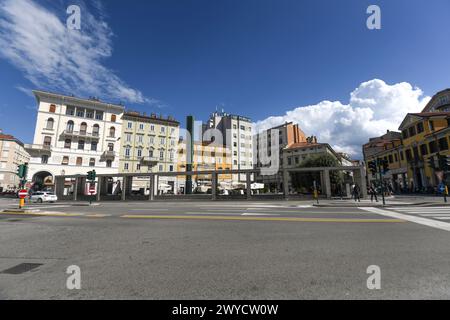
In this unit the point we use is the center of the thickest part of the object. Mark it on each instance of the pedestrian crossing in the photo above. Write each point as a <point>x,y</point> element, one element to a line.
<point>438,213</point>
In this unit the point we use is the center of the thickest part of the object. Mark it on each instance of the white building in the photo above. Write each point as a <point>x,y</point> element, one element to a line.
<point>12,154</point>
<point>74,136</point>
<point>236,134</point>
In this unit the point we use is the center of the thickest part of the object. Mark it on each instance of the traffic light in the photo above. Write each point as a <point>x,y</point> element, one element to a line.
<point>22,170</point>
<point>444,163</point>
<point>430,163</point>
<point>373,167</point>
<point>91,175</point>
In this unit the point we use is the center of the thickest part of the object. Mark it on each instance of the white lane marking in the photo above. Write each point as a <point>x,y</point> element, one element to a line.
<point>419,220</point>
<point>420,208</point>
<point>442,218</point>
<point>149,209</point>
<point>434,215</point>
<point>258,214</point>
<point>214,213</point>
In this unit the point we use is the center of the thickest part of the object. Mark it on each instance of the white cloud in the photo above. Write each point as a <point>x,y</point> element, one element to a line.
<point>38,42</point>
<point>374,107</point>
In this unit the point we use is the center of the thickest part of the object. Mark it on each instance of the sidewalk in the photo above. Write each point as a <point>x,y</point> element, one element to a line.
<point>393,201</point>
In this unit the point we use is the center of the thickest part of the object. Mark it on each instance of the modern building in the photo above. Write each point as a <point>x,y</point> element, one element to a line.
<point>280,137</point>
<point>73,136</point>
<point>236,132</point>
<point>149,145</point>
<point>12,154</point>
<point>207,156</point>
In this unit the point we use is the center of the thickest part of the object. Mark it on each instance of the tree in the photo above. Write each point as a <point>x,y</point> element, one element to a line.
<point>305,180</point>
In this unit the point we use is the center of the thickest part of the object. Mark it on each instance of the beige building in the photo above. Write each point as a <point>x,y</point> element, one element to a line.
<point>206,157</point>
<point>149,145</point>
<point>12,154</point>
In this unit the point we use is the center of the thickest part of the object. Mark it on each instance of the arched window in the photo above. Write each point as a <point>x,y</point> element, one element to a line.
<point>70,126</point>
<point>112,132</point>
<point>83,128</point>
<point>68,144</point>
<point>50,123</point>
<point>96,130</point>
<point>52,108</point>
<point>113,118</point>
<point>110,146</point>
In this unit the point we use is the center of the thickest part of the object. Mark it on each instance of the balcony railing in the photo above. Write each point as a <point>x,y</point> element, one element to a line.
<point>70,133</point>
<point>109,155</point>
<point>38,148</point>
<point>149,159</point>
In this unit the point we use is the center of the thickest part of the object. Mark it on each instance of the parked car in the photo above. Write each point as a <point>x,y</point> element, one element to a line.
<point>43,196</point>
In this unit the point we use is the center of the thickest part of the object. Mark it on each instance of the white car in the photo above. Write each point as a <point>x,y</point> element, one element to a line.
<point>43,196</point>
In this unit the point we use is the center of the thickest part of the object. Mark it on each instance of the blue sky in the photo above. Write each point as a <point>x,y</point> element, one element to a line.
<point>258,58</point>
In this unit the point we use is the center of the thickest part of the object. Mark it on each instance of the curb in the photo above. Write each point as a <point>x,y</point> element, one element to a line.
<point>24,211</point>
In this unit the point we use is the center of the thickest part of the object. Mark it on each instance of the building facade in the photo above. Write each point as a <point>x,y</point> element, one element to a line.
<point>12,154</point>
<point>73,136</point>
<point>149,145</point>
<point>282,136</point>
<point>236,132</point>
<point>207,156</point>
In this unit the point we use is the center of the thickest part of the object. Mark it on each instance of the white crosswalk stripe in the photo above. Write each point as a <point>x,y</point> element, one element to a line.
<point>438,213</point>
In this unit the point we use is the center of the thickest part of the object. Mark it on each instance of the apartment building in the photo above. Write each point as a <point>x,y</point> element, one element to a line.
<point>73,136</point>
<point>149,145</point>
<point>207,156</point>
<point>237,134</point>
<point>280,137</point>
<point>12,154</point>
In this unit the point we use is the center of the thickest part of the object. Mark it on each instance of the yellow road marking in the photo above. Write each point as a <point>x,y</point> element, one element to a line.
<point>264,219</point>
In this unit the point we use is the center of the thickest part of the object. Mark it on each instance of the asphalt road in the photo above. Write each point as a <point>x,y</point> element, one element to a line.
<point>224,250</point>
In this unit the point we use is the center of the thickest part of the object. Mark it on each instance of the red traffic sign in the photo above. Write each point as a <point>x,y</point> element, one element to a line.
<point>23,194</point>
<point>92,188</point>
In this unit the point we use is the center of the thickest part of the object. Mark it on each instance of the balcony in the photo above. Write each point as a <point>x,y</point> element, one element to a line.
<point>38,149</point>
<point>81,134</point>
<point>108,155</point>
<point>149,160</point>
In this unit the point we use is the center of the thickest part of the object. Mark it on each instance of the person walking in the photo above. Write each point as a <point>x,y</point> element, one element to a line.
<point>356,193</point>
<point>373,194</point>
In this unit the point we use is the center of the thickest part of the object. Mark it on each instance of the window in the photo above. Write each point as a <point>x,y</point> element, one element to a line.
<point>431,125</point>
<point>163,140</point>
<point>65,161</point>
<point>70,111</point>
<point>127,152</point>
<point>152,140</point>
<point>432,146</point>
<point>80,113</point>
<point>83,128</point>
<point>138,167</point>
<point>81,145</point>
<point>420,127</point>
<point>405,134</point>
<point>44,159</point>
<point>94,145</point>
<point>163,129</point>
<point>90,114</point>
<point>129,125</point>
<point>96,130</point>
<point>141,126</point>
<point>171,168</point>
<point>391,159</point>
<point>171,155</point>
<point>92,162</point>
<point>50,123</point>
<point>408,155</point>
<point>47,141</point>
<point>423,149</point>
<point>161,155</point>
<point>108,163</point>
<point>152,128</point>
<point>140,138</point>
<point>98,115</point>
<point>69,127</point>
<point>110,146</point>
<point>112,132</point>
<point>52,108</point>
<point>67,144</point>
<point>139,153</point>
<point>126,166</point>
<point>79,161</point>
<point>443,144</point>
<point>161,168</point>
<point>128,135</point>
<point>402,157</point>
<point>113,118</point>
<point>412,131</point>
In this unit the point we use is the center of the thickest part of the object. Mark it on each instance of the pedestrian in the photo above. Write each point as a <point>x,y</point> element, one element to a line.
<point>356,193</point>
<point>373,194</point>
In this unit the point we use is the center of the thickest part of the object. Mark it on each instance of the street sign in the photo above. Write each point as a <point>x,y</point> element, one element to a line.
<point>23,194</point>
<point>92,188</point>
